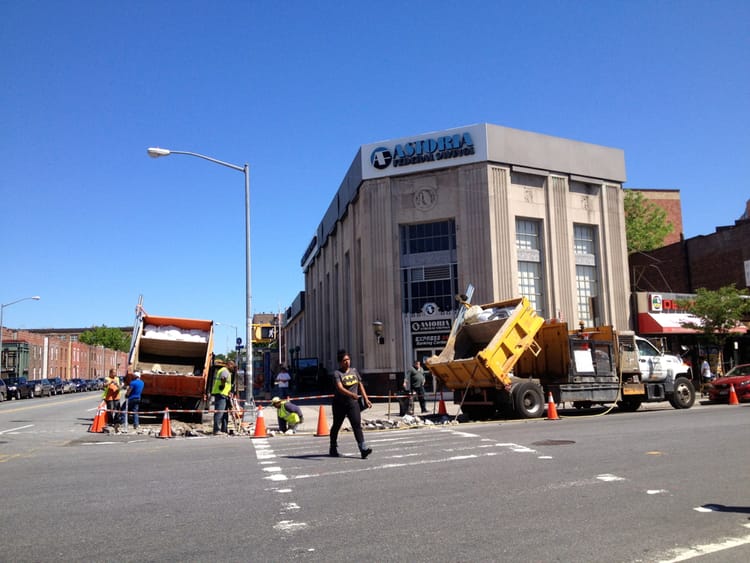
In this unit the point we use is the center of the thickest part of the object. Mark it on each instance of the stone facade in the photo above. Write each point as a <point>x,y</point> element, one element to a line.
<point>487,180</point>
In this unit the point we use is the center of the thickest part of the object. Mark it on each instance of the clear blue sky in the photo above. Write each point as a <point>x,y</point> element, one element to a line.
<point>89,222</point>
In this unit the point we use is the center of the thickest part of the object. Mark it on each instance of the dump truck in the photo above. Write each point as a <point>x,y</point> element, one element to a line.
<point>503,359</point>
<point>174,357</point>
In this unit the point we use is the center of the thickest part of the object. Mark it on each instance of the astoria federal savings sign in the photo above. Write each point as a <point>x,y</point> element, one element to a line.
<point>425,152</point>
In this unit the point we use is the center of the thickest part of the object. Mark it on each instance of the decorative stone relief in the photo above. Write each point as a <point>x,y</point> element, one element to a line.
<point>425,199</point>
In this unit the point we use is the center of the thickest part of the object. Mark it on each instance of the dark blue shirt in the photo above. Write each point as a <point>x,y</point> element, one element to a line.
<point>135,388</point>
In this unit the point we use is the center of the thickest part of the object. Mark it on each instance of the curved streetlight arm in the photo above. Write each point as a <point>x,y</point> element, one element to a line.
<point>35,298</point>
<point>156,152</point>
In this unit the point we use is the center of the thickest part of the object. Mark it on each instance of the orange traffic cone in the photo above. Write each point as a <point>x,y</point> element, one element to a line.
<point>322,423</point>
<point>441,408</point>
<point>733,396</point>
<point>551,409</point>
<point>166,426</point>
<point>260,425</point>
<point>100,420</point>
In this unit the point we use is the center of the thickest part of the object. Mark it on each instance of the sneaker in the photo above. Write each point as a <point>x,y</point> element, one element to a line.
<point>365,453</point>
<point>334,453</point>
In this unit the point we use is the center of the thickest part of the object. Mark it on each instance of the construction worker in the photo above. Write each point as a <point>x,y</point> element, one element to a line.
<point>221,389</point>
<point>289,415</point>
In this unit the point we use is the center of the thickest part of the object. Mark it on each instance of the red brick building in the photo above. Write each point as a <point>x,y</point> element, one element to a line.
<point>57,353</point>
<point>669,201</point>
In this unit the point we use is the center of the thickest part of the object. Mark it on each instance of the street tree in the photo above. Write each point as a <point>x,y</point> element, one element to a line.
<point>719,312</point>
<point>646,224</point>
<point>112,338</point>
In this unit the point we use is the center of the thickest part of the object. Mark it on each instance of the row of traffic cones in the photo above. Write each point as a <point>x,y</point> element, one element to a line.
<point>100,421</point>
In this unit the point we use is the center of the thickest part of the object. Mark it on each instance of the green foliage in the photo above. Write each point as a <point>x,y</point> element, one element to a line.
<point>720,311</point>
<point>112,338</point>
<point>646,224</point>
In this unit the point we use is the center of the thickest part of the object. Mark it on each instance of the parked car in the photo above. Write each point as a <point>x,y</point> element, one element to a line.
<point>69,386</point>
<point>99,383</point>
<point>3,391</point>
<point>19,388</point>
<point>739,376</point>
<point>80,384</point>
<point>42,387</point>
<point>57,385</point>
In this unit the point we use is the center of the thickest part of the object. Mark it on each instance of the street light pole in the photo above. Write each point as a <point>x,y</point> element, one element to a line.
<point>2,310</point>
<point>156,152</point>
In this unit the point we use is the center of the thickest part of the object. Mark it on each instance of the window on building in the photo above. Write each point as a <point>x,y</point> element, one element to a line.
<point>587,279</point>
<point>429,273</point>
<point>530,267</point>
<point>428,237</point>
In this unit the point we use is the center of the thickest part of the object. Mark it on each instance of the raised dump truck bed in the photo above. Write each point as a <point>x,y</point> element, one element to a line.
<point>174,357</point>
<point>484,346</point>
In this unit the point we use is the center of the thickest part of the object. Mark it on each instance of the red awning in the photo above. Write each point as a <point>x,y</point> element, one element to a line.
<point>671,323</point>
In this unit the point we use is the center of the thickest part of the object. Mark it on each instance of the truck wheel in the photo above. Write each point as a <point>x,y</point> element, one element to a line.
<point>528,401</point>
<point>684,394</point>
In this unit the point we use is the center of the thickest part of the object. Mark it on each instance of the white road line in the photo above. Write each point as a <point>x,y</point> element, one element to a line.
<point>16,429</point>
<point>688,553</point>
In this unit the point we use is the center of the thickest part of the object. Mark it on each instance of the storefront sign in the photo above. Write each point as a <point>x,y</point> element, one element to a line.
<point>436,325</point>
<point>425,152</point>
<point>668,303</point>
<point>429,340</point>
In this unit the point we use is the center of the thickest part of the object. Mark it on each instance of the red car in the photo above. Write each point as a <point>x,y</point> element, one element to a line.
<point>739,376</point>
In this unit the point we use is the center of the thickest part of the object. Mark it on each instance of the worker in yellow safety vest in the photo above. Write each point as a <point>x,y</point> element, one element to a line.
<point>289,415</point>
<point>221,389</point>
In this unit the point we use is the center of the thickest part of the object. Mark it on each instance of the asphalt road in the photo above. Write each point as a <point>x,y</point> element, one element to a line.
<point>659,485</point>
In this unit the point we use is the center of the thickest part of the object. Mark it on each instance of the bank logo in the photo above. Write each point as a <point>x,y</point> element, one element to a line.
<point>381,158</point>
<point>423,150</point>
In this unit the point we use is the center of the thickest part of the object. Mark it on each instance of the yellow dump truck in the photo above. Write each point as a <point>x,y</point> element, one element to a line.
<point>502,358</point>
<point>174,357</point>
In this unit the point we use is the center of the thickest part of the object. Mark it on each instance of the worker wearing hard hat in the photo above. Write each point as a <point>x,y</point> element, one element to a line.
<point>289,415</point>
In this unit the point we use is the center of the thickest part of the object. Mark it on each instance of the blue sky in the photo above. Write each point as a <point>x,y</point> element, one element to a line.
<point>293,88</point>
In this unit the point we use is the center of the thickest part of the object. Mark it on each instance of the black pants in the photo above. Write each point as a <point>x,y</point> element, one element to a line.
<point>420,397</point>
<point>347,408</point>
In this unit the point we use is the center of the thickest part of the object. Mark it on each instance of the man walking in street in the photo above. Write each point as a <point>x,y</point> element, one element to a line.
<point>415,376</point>
<point>221,389</point>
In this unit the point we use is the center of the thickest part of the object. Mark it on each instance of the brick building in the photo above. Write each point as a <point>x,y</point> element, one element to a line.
<point>669,201</point>
<point>40,353</point>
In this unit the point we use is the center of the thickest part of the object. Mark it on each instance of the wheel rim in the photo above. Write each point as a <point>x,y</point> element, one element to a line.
<point>682,393</point>
<point>531,402</point>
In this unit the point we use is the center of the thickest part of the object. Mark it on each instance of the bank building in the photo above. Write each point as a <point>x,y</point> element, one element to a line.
<point>417,219</point>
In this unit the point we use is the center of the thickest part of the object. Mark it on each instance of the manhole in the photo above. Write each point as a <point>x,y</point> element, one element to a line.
<point>554,443</point>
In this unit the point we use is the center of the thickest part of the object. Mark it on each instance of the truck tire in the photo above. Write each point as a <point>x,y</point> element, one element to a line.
<point>683,396</point>
<point>528,400</point>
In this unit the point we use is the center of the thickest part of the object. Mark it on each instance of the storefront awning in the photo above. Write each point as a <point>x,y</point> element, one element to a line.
<point>671,323</point>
